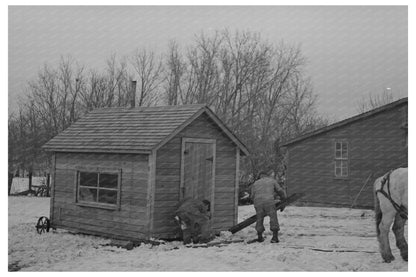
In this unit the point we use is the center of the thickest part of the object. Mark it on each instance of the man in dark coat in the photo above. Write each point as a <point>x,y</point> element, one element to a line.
<point>263,193</point>
<point>193,217</point>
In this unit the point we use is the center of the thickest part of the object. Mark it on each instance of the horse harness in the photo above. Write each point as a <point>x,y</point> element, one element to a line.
<point>399,208</point>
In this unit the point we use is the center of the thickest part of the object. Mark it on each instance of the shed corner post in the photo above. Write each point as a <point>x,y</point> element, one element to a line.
<point>182,173</point>
<point>52,187</point>
<point>287,170</point>
<point>237,184</point>
<point>151,184</point>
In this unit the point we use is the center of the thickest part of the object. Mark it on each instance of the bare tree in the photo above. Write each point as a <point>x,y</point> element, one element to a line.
<point>175,68</point>
<point>148,70</point>
<point>256,88</point>
<point>372,101</point>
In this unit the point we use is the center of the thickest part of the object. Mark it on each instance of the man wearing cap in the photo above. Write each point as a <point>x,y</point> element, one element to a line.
<point>194,218</point>
<point>263,194</point>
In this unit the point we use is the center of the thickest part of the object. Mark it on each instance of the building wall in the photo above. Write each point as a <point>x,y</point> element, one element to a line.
<point>168,166</point>
<point>377,144</point>
<point>129,222</point>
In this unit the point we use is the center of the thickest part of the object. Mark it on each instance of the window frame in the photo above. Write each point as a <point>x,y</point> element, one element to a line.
<point>341,159</point>
<point>98,171</point>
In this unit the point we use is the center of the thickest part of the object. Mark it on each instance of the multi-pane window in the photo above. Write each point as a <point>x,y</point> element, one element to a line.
<point>341,159</point>
<point>102,188</point>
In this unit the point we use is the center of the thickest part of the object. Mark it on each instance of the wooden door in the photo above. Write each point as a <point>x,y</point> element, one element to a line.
<point>198,169</point>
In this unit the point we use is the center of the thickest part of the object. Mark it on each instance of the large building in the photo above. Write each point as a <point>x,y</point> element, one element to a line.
<point>120,172</point>
<point>338,164</point>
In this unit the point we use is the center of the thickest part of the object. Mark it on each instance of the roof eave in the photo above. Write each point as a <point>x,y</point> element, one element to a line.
<point>345,122</point>
<point>109,151</point>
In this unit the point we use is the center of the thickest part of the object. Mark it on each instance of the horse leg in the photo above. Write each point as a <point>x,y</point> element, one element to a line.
<point>398,230</point>
<point>383,236</point>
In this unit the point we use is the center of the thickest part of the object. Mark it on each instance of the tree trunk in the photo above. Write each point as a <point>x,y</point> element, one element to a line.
<point>48,184</point>
<point>10,182</point>
<point>30,181</point>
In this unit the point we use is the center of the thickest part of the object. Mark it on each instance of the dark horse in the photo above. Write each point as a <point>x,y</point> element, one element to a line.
<point>391,205</point>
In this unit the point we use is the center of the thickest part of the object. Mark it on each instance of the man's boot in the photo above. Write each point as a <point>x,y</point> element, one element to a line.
<point>275,239</point>
<point>260,237</point>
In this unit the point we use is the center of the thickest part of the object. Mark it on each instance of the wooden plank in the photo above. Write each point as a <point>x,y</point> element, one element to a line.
<point>182,176</point>
<point>200,140</point>
<point>151,192</point>
<point>125,195</point>
<point>247,222</point>
<point>75,186</point>
<point>53,179</point>
<point>128,172</point>
<point>167,204</point>
<point>226,172</point>
<point>226,178</point>
<point>169,156</point>
<point>168,172</point>
<point>225,203</point>
<point>127,205</point>
<point>95,165</point>
<point>165,213</point>
<point>170,178</point>
<point>225,213</point>
<point>168,222</point>
<point>225,195</point>
<point>166,232</point>
<point>167,196</point>
<point>167,187</point>
<point>136,213</point>
<point>102,158</point>
<point>115,223</point>
<point>136,196</point>
<point>168,165</point>
<point>223,188</point>
<point>76,229</point>
<point>227,160</point>
<point>214,165</point>
<point>101,230</point>
<point>107,220</point>
<point>224,207</point>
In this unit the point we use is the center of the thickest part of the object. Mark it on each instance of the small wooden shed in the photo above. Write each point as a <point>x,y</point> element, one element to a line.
<point>338,164</point>
<point>120,172</point>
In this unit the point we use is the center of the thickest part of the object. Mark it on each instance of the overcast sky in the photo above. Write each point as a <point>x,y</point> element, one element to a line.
<point>351,51</point>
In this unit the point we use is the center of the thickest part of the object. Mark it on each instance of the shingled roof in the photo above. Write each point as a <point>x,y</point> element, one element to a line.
<point>131,130</point>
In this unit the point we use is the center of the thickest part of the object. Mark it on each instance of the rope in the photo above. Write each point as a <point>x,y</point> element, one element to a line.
<point>399,208</point>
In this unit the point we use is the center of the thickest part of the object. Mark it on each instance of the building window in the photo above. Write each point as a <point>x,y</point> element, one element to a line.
<point>98,188</point>
<point>341,159</point>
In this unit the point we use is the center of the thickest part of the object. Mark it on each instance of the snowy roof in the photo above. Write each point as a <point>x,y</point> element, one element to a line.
<point>131,130</point>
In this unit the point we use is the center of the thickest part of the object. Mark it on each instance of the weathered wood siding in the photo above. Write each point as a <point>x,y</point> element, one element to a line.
<point>376,145</point>
<point>129,222</point>
<point>168,167</point>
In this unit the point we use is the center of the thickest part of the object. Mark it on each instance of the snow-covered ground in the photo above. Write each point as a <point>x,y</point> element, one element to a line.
<point>306,235</point>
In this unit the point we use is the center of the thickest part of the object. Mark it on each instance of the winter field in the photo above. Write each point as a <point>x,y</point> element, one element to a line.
<point>311,239</point>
